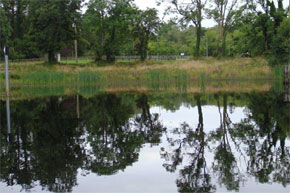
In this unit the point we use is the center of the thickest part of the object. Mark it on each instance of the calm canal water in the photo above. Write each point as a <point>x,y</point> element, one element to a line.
<point>156,142</point>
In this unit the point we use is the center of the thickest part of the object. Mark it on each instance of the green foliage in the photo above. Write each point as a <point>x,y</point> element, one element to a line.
<point>190,12</point>
<point>51,24</point>
<point>107,29</point>
<point>107,24</point>
<point>5,29</point>
<point>146,26</point>
<point>172,40</point>
<point>281,44</point>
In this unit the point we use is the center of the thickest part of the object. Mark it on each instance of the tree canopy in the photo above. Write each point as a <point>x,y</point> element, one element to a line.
<point>106,29</point>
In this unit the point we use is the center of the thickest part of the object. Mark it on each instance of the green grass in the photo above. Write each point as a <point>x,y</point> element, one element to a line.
<point>278,71</point>
<point>80,61</point>
<point>148,72</point>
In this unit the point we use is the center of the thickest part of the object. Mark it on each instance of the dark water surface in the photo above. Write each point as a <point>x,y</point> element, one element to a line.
<point>135,142</point>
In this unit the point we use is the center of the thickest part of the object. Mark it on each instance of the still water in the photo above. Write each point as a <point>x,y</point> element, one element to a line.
<point>153,142</point>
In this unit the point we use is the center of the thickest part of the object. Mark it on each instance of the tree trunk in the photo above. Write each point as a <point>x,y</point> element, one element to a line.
<point>51,57</point>
<point>143,50</point>
<point>110,53</point>
<point>13,20</point>
<point>19,19</point>
<point>224,44</point>
<point>266,38</point>
<point>198,34</point>
<point>110,57</point>
<point>143,55</point>
<point>221,43</point>
<point>101,32</point>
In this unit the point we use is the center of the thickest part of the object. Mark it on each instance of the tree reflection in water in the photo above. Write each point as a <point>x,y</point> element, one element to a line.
<point>264,133</point>
<point>50,144</point>
<point>194,177</point>
<point>46,146</point>
<point>267,123</point>
<point>148,123</point>
<point>225,164</point>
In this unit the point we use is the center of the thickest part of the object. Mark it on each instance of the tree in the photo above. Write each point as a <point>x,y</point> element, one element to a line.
<point>191,11</point>
<point>108,26</point>
<point>267,19</point>
<point>14,12</point>
<point>146,26</point>
<point>281,44</point>
<point>223,13</point>
<point>94,26</point>
<point>51,24</point>
<point>5,27</point>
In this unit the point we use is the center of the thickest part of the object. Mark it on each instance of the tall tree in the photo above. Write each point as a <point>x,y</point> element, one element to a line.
<point>51,23</point>
<point>191,11</point>
<point>5,27</point>
<point>146,26</point>
<point>281,44</point>
<point>223,12</point>
<point>108,25</point>
<point>15,12</point>
<point>94,23</point>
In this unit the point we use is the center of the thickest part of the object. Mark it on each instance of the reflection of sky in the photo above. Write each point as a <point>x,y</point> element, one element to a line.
<point>148,174</point>
<point>190,116</point>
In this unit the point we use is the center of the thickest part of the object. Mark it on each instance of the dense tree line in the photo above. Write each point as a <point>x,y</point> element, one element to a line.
<point>106,29</point>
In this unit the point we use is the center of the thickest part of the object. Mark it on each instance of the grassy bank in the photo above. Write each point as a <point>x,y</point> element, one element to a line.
<point>89,72</point>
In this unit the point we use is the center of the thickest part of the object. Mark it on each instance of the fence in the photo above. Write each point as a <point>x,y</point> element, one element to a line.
<point>64,58</point>
<point>130,58</point>
<point>25,60</point>
<point>134,58</point>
